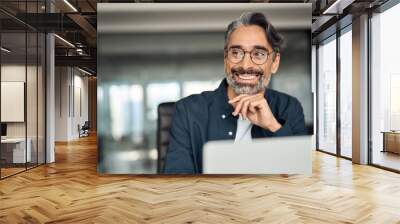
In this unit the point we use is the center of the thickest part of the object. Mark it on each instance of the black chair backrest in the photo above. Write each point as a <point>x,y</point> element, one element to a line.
<point>165,112</point>
<point>86,125</point>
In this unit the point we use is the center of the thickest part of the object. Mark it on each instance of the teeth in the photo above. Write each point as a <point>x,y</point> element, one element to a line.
<point>247,77</point>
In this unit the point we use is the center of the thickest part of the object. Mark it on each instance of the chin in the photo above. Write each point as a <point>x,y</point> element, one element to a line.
<point>245,87</point>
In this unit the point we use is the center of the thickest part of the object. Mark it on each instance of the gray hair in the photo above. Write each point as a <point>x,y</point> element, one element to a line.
<point>258,19</point>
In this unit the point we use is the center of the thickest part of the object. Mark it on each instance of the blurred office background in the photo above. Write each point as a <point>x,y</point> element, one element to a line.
<point>154,53</point>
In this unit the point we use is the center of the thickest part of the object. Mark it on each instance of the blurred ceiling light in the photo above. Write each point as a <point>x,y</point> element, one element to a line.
<point>64,40</point>
<point>337,7</point>
<point>84,71</point>
<point>5,49</point>
<point>331,7</point>
<point>70,5</point>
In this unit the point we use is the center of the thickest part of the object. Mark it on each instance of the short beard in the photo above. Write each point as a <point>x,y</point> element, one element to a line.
<point>239,89</point>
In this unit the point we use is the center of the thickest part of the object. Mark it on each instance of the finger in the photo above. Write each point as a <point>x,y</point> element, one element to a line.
<point>259,104</point>
<point>241,96</point>
<point>239,105</point>
<point>258,97</point>
<point>254,104</point>
<point>237,98</point>
<point>244,109</point>
<point>252,108</point>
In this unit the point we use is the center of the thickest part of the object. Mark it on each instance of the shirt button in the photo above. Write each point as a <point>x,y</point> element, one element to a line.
<point>230,133</point>
<point>223,116</point>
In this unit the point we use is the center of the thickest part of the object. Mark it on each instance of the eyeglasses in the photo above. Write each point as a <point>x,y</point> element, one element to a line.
<point>257,55</point>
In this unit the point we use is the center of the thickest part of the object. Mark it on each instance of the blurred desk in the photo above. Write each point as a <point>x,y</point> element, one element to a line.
<point>13,150</point>
<point>391,141</point>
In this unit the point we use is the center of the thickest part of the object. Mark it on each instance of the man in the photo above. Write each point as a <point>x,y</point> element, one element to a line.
<point>251,56</point>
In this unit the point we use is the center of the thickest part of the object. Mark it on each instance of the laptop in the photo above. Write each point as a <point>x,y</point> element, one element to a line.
<point>278,155</point>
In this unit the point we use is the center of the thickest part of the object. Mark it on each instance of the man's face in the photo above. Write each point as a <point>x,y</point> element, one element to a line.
<point>246,76</point>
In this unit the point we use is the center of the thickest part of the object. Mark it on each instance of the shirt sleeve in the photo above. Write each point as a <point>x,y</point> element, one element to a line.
<point>179,157</point>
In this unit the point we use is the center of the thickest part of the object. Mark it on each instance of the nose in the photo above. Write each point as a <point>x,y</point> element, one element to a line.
<point>247,62</point>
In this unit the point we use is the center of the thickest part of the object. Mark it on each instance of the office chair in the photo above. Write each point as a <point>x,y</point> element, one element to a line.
<point>165,112</point>
<point>84,130</point>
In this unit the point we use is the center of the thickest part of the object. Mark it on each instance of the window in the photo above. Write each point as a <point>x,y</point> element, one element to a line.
<point>159,93</point>
<point>346,94</point>
<point>327,96</point>
<point>127,112</point>
<point>385,89</point>
<point>193,87</point>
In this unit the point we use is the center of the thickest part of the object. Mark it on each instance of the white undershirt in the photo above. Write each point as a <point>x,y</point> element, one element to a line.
<point>243,131</point>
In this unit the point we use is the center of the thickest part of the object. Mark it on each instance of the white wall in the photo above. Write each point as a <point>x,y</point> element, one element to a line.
<point>70,84</point>
<point>79,117</point>
<point>10,73</point>
<point>17,73</point>
<point>62,81</point>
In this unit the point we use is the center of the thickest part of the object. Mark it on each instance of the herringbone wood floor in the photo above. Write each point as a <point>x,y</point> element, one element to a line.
<point>70,191</point>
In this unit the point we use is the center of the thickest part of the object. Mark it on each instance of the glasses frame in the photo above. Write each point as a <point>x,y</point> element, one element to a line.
<point>244,54</point>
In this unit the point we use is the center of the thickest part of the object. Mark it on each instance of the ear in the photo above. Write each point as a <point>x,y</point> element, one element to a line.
<point>275,63</point>
<point>226,65</point>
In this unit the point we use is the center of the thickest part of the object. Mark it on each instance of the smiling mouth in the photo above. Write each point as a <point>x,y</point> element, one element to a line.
<point>247,77</point>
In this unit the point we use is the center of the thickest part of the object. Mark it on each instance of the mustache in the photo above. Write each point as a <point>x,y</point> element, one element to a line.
<point>241,70</point>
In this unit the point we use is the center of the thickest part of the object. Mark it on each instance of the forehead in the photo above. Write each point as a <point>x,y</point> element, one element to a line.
<point>248,36</point>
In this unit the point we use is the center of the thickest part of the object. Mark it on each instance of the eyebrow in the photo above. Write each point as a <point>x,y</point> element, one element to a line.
<point>255,47</point>
<point>260,47</point>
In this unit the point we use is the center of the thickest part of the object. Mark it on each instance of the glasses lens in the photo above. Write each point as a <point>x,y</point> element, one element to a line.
<point>259,56</point>
<point>235,55</point>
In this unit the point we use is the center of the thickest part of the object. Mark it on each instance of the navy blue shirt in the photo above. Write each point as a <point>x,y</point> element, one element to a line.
<point>208,116</point>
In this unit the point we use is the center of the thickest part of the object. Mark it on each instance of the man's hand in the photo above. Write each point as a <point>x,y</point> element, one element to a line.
<point>256,109</point>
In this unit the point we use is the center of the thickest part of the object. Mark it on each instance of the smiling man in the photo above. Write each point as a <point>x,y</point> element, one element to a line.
<point>242,107</point>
